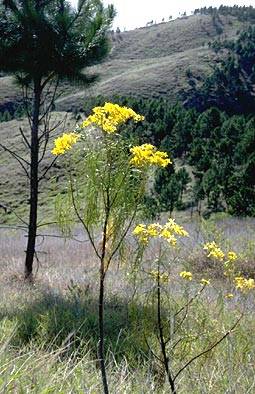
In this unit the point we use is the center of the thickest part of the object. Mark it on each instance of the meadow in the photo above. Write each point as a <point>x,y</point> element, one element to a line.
<point>49,329</point>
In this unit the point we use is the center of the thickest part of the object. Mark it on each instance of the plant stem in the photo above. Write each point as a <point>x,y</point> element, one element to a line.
<point>101,329</point>
<point>161,336</point>
<point>101,297</point>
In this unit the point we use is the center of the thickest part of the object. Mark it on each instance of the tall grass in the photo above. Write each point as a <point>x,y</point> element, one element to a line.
<point>48,332</point>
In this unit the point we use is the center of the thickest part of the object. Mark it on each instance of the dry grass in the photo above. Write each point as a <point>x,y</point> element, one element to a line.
<point>49,331</point>
<point>147,62</point>
<point>152,61</point>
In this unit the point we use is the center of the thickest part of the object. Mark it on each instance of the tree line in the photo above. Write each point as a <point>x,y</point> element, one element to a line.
<point>242,13</point>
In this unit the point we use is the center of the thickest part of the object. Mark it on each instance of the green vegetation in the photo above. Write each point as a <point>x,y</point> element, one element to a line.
<point>230,87</point>
<point>213,152</point>
<point>124,299</point>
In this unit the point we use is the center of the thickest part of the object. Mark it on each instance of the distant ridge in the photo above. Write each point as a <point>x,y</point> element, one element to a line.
<point>153,61</point>
<point>148,62</point>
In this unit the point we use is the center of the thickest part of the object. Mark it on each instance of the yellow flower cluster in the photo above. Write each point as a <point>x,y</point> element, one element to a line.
<point>144,232</point>
<point>175,228</point>
<point>229,296</point>
<point>148,155</point>
<point>64,143</point>
<point>244,284</point>
<point>204,282</point>
<point>214,251</point>
<point>186,275</point>
<point>157,276</point>
<point>231,256</point>
<point>168,232</point>
<point>110,116</point>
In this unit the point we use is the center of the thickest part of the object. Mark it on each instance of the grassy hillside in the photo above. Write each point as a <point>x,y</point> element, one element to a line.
<point>152,61</point>
<point>149,61</point>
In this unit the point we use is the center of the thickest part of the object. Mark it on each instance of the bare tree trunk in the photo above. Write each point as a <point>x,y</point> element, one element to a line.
<point>33,201</point>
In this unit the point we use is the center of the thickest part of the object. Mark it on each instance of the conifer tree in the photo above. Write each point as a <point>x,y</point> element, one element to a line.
<point>43,42</point>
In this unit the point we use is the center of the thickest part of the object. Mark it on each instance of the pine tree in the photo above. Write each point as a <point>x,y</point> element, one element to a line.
<point>43,42</point>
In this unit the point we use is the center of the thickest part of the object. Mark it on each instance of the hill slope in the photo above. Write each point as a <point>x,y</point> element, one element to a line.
<point>149,61</point>
<point>153,61</point>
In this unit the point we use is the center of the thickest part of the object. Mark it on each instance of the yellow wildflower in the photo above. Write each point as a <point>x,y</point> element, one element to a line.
<point>154,229</point>
<point>204,282</point>
<point>168,232</point>
<point>110,116</point>
<point>229,295</point>
<point>186,275</point>
<point>244,284</point>
<point>168,236</point>
<point>214,251</point>
<point>141,232</point>
<point>148,155</point>
<point>231,256</point>
<point>176,228</point>
<point>64,143</point>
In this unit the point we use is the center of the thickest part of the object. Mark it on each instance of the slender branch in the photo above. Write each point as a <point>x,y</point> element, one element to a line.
<point>18,158</point>
<point>190,301</point>
<point>46,117</point>
<point>47,169</point>
<point>62,237</point>
<point>209,349</point>
<point>185,307</point>
<point>14,228</point>
<point>14,154</point>
<point>81,219</point>
<point>24,138</point>
<point>47,80</point>
<point>53,128</point>
<point>103,270</point>
<point>46,224</point>
<point>150,349</point>
<point>161,334</point>
<point>46,111</point>
<point>7,207</point>
<point>123,236</point>
<point>25,100</point>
